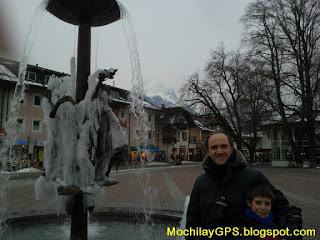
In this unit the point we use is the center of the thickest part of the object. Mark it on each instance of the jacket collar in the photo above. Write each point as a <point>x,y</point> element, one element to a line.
<point>223,172</point>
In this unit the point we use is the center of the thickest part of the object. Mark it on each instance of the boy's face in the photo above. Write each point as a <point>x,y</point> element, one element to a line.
<point>261,206</point>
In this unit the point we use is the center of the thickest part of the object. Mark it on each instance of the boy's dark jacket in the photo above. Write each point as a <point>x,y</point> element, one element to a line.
<point>218,196</point>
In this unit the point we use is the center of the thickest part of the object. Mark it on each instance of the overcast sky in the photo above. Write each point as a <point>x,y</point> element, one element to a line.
<point>174,37</point>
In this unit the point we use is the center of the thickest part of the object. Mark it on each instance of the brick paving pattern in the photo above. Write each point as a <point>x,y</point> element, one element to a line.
<point>165,188</point>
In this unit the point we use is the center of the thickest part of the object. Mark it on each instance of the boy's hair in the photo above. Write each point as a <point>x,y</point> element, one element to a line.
<point>261,190</point>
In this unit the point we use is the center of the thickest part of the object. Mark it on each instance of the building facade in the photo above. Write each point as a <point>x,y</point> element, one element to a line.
<point>166,130</point>
<point>30,127</point>
<point>275,138</point>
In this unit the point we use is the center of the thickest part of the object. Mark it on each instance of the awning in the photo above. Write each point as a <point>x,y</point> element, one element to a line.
<point>144,148</point>
<point>21,142</point>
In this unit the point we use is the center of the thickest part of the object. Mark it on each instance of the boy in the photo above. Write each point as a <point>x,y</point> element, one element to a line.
<point>259,215</point>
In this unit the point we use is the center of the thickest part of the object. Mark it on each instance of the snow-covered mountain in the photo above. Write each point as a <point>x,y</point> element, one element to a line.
<point>162,96</point>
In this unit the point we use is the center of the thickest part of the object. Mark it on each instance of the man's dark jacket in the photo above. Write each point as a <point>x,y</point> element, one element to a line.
<point>218,197</point>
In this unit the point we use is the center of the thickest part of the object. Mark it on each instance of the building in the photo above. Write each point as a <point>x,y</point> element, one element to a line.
<point>121,106</point>
<point>31,129</point>
<point>274,137</point>
<point>174,132</point>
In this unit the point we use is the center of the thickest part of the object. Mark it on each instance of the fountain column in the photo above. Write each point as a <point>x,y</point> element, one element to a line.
<point>79,213</point>
<point>83,63</point>
<point>79,218</point>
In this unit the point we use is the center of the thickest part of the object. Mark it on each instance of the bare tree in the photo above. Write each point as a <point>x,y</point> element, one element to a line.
<point>231,90</point>
<point>285,33</point>
<point>255,108</point>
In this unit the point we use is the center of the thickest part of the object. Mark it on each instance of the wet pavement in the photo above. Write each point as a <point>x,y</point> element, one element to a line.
<point>163,189</point>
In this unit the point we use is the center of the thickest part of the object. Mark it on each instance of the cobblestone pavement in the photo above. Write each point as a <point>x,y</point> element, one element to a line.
<point>165,188</point>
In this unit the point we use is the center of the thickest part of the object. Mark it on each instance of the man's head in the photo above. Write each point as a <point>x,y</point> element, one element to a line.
<point>219,148</point>
<point>259,199</point>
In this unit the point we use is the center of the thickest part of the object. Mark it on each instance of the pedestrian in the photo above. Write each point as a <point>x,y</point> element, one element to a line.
<point>218,196</point>
<point>173,158</point>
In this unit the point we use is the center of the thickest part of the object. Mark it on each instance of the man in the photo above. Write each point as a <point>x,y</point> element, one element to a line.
<point>219,195</point>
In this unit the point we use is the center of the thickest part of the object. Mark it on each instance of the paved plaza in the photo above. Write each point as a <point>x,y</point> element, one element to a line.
<point>165,188</point>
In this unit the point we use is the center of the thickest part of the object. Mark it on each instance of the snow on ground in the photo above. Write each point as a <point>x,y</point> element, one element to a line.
<point>29,170</point>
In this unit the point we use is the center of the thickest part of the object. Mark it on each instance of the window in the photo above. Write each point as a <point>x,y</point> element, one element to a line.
<point>192,139</point>
<point>276,154</point>
<point>149,118</point>
<point>31,76</point>
<point>275,135</point>
<point>114,94</point>
<point>20,125</point>
<point>37,100</point>
<point>149,134</point>
<point>36,126</point>
<point>184,136</point>
<point>46,78</point>
<point>269,135</point>
<point>122,113</point>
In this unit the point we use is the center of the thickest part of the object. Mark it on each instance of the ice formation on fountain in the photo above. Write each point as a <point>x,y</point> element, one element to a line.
<point>137,92</point>
<point>82,137</point>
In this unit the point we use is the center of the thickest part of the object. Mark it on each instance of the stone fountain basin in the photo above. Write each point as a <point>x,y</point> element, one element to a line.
<point>112,225</point>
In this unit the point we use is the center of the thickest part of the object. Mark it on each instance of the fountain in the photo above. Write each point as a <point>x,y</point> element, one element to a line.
<point>83,132</point>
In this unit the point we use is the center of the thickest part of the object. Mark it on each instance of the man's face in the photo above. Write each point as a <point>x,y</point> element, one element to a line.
<point>261,206</point>
<point>219,148</point>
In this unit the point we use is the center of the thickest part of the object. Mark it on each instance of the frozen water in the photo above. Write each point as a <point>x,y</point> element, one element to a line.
<point>10,125</point>
<point>75,134</point>
<point>141,126</point>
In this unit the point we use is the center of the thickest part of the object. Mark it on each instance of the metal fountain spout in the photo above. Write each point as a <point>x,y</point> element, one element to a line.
<point>109,73</point>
